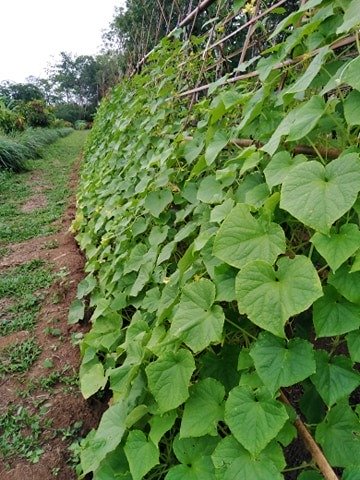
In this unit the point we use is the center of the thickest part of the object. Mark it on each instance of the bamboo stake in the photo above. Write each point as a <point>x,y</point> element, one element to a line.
<point>188,19</point>
<point>316,453</point>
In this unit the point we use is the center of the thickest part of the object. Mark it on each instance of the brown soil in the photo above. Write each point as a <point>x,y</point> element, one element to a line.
<point>64,406</point>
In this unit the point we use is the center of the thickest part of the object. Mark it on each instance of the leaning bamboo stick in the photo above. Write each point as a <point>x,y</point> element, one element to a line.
<point>316,453</point>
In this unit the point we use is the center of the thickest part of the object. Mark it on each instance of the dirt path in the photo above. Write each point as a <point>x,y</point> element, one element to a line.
<point>48,389</point>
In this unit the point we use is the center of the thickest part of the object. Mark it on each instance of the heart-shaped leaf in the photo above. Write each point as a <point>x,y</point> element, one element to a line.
<point>270,297</point>
<point>254,418</point>
<point>318,195</point>
<point>243,238</point>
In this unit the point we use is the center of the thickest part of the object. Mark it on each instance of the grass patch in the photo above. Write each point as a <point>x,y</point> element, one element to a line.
<point>15,189</point>
<point>21,284</point>
<point>48,382</point>
<point>16,150</point>
<point>18,357</point>
<point>20,433</point>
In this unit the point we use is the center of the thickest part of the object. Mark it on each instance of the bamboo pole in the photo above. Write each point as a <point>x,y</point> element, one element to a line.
<point>188,19</point>
<point>315,451</point>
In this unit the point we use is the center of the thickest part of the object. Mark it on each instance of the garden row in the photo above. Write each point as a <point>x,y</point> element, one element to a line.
<point>223,278</point>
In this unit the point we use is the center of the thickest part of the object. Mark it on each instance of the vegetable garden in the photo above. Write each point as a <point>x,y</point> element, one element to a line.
<point>220,221</point>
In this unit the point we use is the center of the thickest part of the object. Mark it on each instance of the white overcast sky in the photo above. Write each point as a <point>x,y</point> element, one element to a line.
<point>34,32</point>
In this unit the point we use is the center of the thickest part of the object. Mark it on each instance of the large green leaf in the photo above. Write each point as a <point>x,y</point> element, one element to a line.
<point>160,424</point>
<point>254,418</point>
<point>233,462</point>
<point>141,454</point>
<point>280,363</point>
<point>210,190</point>
<point>156,202</point>
<point>350,74</point>
<point>339,436</point>
<point>243,238</point>
<point>106,438</point>
<point>195,457</point>
<point>346,283</point>
<point>334,315</point>
<point>353,343</point>
<point>215,146</point>
<point>337,247</point>
<point>280,166</point>
<point>196,320</point>
<point>270,297</point>
<point>297,123</point>
<point>352,108</point>
<point>204,409</point>
<point>326,193</point>
<point>351,17</point>
<point>169,379</point>
<point>113,467</point>
<point>92,375</point>
<point>334,378</point>
<point>312,70</point>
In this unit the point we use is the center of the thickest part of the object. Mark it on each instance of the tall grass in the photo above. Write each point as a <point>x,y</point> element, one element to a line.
<point>16,150</point>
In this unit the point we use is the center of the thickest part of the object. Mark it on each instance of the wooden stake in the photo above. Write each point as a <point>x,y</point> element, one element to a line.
<point>316,453</point>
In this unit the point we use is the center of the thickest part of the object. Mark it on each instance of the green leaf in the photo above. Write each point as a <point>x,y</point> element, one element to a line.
<point>351,17</point>
<point>92,376</point>
<point>156,202</point>
<point>106,438</point>
<point>326,192</point>
<point>254,418</point>
<point>334,378</point>
<point>352,108</point>
<point>334,315</point>
<point>346,283</point>
<point>351,473</point>
<point>339,436</point>
<point>297,123</point>
<point>270,298</point>
<point>243,238</point>
<point>203,410</point>
<point>312,70</point>
<point>353,343</point>
<point>210,190</point>
<point>280,166</point>
<point>169,379</point>
<point>215,146</point>
<point>280,363</point>
<point>224,279</point>
<point>350,74</point>
<point>233,462</point>
<point>76,311</point>
<point>336,248</point>
<point>113,467</point>
<point>310,475</point>
<point>142,454</point>
<point>196,320</point>
<point>195,456</point>
<point>160,424</point>
<point>219,212</point>
<point>193,148</point>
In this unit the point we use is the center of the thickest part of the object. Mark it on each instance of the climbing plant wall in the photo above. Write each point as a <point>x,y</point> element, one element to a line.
<point>221,230</point>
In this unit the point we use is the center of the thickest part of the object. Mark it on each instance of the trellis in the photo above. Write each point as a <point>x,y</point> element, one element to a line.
<point>232,60</point>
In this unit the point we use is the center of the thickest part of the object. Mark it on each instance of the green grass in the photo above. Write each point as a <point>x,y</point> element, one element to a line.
<point>20,286</point>
<point>54,169</point>
<point>20,433</point>
<point>16,150</point>
<point>18,357</point>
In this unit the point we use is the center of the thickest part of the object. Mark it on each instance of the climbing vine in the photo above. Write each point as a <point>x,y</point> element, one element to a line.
<point>223,279</point>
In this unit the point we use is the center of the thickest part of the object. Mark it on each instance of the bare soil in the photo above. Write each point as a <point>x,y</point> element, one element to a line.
<point>64,406</point>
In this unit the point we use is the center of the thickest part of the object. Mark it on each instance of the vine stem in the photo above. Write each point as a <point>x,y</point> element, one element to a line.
<point>316,453</point>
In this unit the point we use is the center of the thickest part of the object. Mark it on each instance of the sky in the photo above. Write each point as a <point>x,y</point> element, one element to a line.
<point>34,32</point>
